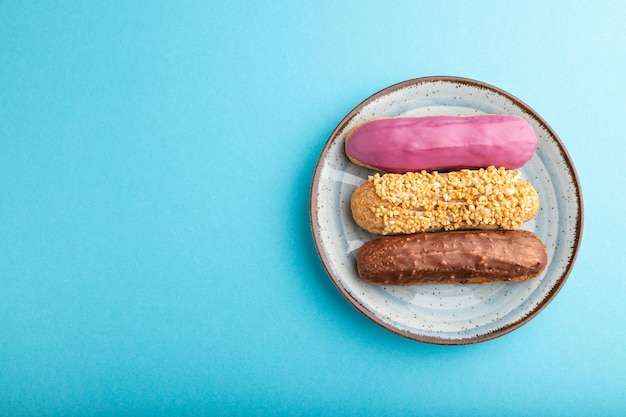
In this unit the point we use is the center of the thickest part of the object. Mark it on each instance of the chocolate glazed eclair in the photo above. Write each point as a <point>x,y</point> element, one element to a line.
<point>469,257</point>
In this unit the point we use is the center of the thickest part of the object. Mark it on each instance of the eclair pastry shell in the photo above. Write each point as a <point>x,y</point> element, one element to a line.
<point>483,199</point>
<point>467,257</point>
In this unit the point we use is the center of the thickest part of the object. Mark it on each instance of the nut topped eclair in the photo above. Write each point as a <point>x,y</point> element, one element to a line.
<point>492,198</point>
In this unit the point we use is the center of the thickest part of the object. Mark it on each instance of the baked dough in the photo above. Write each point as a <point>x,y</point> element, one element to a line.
<point>443,143</point>
<point>430,201</point>
<point>469,257</point>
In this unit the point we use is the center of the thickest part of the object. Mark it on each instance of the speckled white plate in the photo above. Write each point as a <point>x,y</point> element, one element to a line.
<point>447,314</point>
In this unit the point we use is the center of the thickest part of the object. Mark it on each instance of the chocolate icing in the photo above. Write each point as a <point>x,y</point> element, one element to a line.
<point>452,257</point>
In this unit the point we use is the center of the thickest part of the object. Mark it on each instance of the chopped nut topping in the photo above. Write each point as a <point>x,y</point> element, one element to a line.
<point>466,199</point>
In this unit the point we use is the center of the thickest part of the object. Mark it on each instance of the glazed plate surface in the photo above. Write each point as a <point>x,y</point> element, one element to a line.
<point>447,314</point>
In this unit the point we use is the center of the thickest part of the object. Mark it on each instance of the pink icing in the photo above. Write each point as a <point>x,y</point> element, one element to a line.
<point>443,143</point>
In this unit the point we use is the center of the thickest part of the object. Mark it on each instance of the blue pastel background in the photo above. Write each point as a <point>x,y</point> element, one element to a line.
<point>155,250</point>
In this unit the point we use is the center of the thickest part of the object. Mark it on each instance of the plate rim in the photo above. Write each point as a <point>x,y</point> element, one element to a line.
<point>526,109</point>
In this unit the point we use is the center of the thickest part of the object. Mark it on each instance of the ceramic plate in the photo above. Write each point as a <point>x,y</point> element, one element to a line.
<point>447,314</point>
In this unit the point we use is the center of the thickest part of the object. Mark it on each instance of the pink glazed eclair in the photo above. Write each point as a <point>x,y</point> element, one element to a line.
<point>442,143</point>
